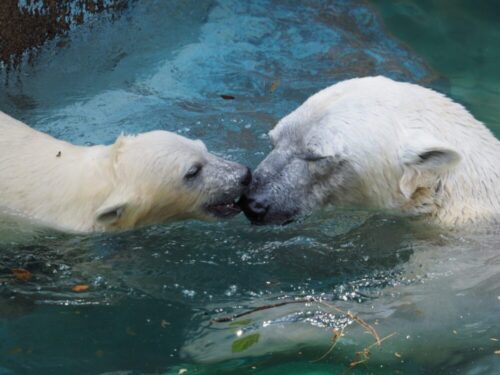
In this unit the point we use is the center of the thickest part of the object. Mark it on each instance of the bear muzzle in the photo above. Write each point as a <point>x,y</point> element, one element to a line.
<point>228,206</point>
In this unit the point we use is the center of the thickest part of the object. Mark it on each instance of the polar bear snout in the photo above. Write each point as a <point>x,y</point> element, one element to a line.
<point>277,191</point>
<point>255,208</point>
<point>229,182</point>
<point>260,209</point>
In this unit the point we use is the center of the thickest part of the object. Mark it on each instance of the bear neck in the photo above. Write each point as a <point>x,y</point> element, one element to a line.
<point>52,182</point>
<point>470,193</point>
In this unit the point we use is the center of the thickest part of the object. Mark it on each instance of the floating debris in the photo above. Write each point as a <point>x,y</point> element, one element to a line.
<point>79,288</point>
<point>22,274</point>
<point>245,342</point>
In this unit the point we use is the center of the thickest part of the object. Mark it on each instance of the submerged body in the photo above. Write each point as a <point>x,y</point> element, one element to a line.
<point>445,296</point>
<point>379,144</point>
<point>139,180</point>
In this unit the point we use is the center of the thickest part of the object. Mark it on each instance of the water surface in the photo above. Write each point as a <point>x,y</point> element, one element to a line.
<point>153,292</point>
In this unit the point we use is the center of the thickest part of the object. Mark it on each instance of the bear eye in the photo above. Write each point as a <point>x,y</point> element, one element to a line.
<point>193,171</point>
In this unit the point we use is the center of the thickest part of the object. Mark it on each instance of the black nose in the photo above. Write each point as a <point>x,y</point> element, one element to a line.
<point>247,177</point>
<point>254,209</point>
<point>258,208</point>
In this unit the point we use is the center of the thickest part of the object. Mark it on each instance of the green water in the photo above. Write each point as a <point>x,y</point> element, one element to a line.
<point>460,40</point>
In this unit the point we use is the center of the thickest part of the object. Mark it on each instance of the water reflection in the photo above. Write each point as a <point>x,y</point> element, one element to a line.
<point>445,295</point>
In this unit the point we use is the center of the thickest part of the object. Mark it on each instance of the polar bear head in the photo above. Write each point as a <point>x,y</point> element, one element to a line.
<point>160,175</point>
<point>355,145</point>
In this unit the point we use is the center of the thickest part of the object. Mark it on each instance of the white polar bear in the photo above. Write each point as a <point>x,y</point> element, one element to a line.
<point>379,144</point>
<point>143,179</point>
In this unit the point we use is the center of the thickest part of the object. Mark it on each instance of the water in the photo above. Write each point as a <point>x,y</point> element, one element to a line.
<point>460,41</point>
<point>153,292</point>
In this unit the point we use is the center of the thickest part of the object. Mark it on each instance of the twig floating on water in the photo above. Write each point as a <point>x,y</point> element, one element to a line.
<point>225,319</point>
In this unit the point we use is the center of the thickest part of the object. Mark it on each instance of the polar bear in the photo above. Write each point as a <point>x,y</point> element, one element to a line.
<point>379,144</point>
<point>143,179</point>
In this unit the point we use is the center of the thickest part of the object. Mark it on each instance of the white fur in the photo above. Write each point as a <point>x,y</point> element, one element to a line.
<point>136,181</point>
<point>381,127</point>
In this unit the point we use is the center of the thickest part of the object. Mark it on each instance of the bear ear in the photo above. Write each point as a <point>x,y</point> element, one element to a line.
<point>114,206</point>
<point>109,214</point>
<point>423,161</point>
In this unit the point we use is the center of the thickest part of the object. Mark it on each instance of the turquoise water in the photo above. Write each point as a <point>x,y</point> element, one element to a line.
<point>153,292</point>
<point>460,40</point>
